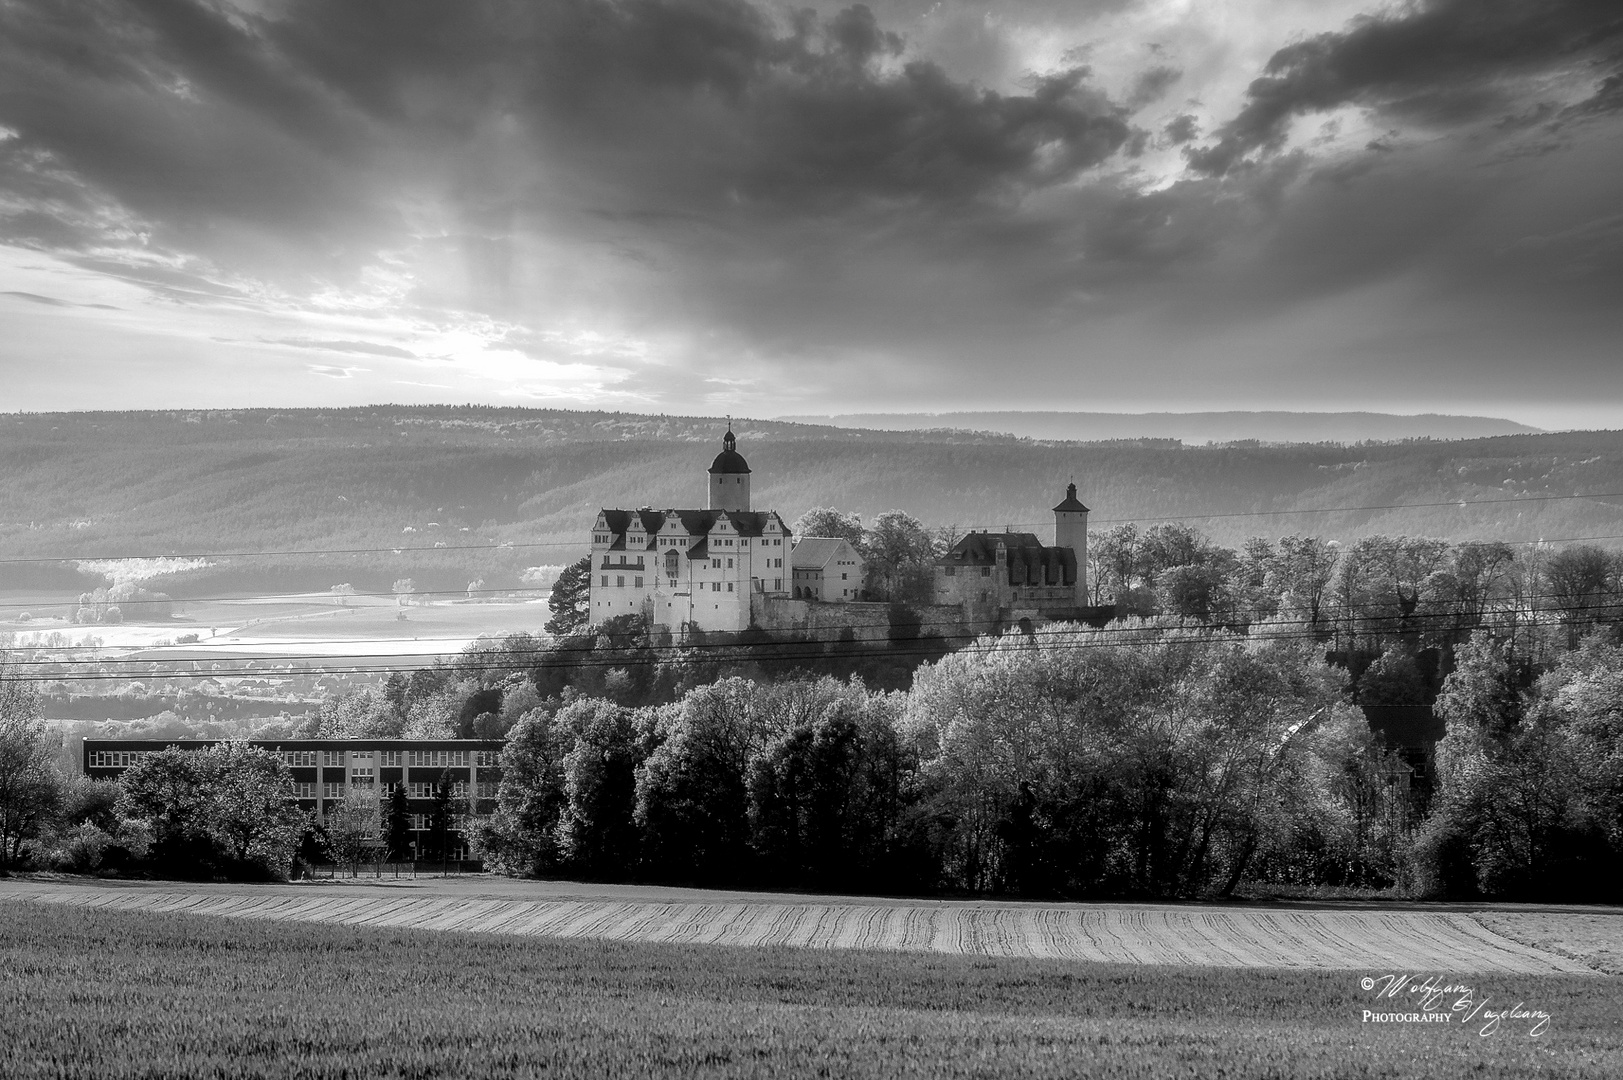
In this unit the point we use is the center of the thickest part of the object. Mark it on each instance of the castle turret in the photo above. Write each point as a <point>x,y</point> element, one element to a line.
<point>729,477</point>
<point>1071,531</point>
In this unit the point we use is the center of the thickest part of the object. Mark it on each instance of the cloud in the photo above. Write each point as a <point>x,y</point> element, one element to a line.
<point>334,372</point>
<point>687,203</point>
<point>367,348</point>
<point>35,298</point>
<point>1442,63</point>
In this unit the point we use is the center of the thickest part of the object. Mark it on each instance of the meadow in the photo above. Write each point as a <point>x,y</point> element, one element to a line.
<point>124,994</point>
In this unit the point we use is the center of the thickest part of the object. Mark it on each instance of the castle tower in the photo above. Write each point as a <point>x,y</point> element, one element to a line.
<point>729,477</point>
<point>1071,531</point>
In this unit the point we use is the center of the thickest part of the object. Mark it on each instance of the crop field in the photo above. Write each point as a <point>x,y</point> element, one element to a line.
<point>1235,936</point>
<point>101,993</point>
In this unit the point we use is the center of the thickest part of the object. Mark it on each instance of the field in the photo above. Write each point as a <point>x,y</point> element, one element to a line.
<point>127,994</point>
<point>296,625</point>
<point>1501,940</point>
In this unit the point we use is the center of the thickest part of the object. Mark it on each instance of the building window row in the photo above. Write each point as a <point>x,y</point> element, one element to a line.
<point>304,791</point>
<point>459,790</point>
<point>445,759</point>
<point>487,759</point>
<point>297,759</point>
<point>116,759</point>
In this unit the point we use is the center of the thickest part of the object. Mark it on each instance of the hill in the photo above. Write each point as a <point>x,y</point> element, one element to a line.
<point>1197,427</point>
<point>406,479</point>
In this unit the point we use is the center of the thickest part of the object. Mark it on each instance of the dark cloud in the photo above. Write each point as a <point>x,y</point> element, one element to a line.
<point>1442,62</point>
<point>1180,129</point>
<point>1152,85</point>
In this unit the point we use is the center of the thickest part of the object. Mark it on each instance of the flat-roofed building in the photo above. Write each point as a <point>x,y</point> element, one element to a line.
<point>327,770</point>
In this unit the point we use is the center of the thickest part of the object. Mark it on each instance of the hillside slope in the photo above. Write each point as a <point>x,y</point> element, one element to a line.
<point>101,484</point>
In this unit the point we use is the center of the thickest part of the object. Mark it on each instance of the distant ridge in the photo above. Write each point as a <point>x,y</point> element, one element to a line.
<point>1195,427</point>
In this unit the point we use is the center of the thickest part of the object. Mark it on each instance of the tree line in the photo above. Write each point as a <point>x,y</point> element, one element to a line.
<point>1141,760</point>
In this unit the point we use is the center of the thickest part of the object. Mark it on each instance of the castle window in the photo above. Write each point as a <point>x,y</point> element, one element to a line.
<point>638,583</point>
<point>986,571</point>
<point>605,581</point>
<point>619,581</point>
<point>952,571</point>
<point>729,586</point>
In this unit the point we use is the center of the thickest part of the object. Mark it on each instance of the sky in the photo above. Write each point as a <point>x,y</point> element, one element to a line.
<point>708,206</point>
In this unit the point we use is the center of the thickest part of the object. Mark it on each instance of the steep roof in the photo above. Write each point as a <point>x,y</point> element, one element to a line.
<point>816,552</point>
<point>1071,505</point>
<point>729,461</point>
<point>697,523</point>
<point>1024,557</point>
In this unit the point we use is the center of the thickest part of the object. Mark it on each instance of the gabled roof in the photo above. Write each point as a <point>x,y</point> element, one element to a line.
<point>816,552</point>
<point>745,523</point>
<point>980,548</point>
<point>1023,554</point>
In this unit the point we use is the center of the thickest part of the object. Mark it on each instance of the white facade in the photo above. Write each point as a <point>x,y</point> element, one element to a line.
<point>681,567</point>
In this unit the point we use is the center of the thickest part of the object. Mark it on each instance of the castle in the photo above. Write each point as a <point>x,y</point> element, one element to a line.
<point>691,567</point>
<point>728,568</point>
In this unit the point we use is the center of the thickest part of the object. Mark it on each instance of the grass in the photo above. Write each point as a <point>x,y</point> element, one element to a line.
<point>122,994</point>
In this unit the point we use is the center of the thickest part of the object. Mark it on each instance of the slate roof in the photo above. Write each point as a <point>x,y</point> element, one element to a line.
<point>816,552</point>
<point>1025,559</point>
<point>1072,504</point>
<point>745,523</point>
<point>729,461</point>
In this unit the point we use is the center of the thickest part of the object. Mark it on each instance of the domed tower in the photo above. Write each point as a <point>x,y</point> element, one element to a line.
<point>1071,531</point>
<point>729,477</point>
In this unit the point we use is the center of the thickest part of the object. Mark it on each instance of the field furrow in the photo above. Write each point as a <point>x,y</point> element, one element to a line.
<point>1233,937</point>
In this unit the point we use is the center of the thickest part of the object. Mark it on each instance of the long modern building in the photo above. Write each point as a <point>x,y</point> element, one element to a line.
<point>326,770</point>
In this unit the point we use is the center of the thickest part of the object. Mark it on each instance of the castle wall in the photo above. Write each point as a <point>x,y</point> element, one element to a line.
<point>867,620</point>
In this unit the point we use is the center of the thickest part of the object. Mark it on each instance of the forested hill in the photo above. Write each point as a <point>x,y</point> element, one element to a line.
<point>100,484</point>
<point>1195,427</point>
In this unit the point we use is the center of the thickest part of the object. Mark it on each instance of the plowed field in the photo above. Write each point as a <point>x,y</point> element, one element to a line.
<point>1231,936</point>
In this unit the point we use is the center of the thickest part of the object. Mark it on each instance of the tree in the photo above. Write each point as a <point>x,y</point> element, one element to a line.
<point>596,834</point>
<point>1580,581</point>
<point>900,552</point>
<point>1299,575</point>
<point>228,810</point>
<point>521,837</point>
<point>343,592</point>
<point>32,792</point>
<point>571,599</point>
<point>397,826</point>
<point>443,820</point>
<point>254,813</point>
<point>827,521</point>
<point>354,826</point>
<point>169,792</point>
<point>1115,556</point>
<point>403,590</point>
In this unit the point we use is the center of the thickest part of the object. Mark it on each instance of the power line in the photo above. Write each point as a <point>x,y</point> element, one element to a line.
<point>515,545</point>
